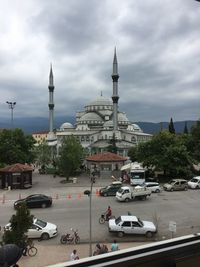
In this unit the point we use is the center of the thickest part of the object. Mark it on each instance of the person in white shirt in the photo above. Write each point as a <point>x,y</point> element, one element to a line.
<point>74,255</point>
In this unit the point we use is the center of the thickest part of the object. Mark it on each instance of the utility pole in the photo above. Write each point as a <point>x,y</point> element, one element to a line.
<point>11,106</point>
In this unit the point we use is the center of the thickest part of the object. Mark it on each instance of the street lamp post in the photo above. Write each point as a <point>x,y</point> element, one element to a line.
<point>11,106</point>
<point>89,193</point>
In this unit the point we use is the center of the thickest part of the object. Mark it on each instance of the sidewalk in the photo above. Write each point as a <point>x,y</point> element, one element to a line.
<point>52,254</point>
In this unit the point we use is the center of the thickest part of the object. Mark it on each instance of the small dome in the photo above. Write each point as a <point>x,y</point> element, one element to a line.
<point>134,127</point>
<point>100,101</point>
<point>122,117</point>
<point>90,116</point>
<point>66,125</point>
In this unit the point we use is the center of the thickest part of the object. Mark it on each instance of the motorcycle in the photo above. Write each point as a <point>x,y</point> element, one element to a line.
<point>103,218</point>
<point>70,238</point>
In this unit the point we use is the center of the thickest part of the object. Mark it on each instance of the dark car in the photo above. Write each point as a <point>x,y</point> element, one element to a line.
<point>111,189</point>
<point>35,201</point>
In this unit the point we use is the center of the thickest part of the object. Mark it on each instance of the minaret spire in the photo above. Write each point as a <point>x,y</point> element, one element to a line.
<point>51,76</point>
<point>51,103</point>
<point>115,97</point>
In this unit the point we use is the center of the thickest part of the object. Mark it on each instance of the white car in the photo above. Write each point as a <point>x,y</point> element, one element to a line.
<point>194,183</point>
<point>129,224</point>
<point>153,186</point>
<point>40,229</point>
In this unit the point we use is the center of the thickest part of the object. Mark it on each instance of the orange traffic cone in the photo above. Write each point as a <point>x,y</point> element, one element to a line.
<point>97,193</point>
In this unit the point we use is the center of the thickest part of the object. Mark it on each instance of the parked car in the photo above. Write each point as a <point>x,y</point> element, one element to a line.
<point>176,184</point>
<point>35,201</point>
<point>194,183</point>
<point>111,189</point>
<point>129,224</point>
<point>153,186</point>
<point>40,229</point>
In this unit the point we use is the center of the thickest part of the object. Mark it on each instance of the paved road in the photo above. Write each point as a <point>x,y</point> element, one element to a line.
<point>71,208</point>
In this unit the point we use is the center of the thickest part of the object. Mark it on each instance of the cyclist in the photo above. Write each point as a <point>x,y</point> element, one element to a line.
<point>108,213</point>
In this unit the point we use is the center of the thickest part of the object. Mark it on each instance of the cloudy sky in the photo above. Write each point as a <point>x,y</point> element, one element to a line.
<point>158,51</point>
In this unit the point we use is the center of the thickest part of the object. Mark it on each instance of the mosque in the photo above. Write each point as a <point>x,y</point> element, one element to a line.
<point>99,123</point>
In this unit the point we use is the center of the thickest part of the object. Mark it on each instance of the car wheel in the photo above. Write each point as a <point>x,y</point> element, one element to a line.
<point>126,199</point>
<point>149,234</point>
<point>44,205</point>
<point>186,188</point>
<point>120,234</point>
<point>105,194</point>
<point>172,189</point>
<point>157,191</point>
<point>45,236</point>
<point>197,187</point>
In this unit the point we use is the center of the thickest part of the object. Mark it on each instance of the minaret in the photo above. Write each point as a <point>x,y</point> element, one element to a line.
<point>115,97</point>
<point>51,135</point>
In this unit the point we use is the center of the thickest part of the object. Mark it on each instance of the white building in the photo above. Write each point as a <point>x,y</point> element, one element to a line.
<point>101,121</point>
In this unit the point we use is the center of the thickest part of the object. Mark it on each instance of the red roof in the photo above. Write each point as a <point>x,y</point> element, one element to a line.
<point>106,156</point>
<point>18,167</point>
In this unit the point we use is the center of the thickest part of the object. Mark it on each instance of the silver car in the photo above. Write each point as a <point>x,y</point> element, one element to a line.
<point>153,186</point>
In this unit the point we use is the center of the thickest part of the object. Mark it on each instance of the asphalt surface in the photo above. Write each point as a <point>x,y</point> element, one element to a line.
<point>49,254</point>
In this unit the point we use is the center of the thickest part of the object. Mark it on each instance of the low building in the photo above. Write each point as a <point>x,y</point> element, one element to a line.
<point>40,137</point>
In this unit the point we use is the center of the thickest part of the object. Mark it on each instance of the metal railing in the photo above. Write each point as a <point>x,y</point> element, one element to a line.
<point>181,252</point>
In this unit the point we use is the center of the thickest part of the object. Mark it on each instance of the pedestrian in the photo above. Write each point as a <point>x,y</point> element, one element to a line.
<point>114,246</point>
<point>104,249</point>
<point>74,255</point>
<point>97,249</point>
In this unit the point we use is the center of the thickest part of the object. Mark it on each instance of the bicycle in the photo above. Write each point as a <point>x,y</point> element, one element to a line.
<point>31,250</point>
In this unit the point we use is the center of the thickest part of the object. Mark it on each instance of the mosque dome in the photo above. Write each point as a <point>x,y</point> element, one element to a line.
<point>101,101</point>
<point>90,116</point>
<point>66,125</point>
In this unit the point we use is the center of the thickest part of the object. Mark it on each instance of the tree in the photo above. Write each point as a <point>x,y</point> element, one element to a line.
<point>16,147</point>
<point>71,156</point>
<point>171,127</point>
<point>132,153</point>
<point>19,225</point>
<point>43,154</point>
<point>193,143</point>
<point>112,145</point>
<point>185,131</point>
<point>166,152</point>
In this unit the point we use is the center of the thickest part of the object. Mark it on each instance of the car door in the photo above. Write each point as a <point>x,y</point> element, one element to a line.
<point>112,191</point>
<point>126,227</point>
<point>34,231</point>
<point>177,185</point>
<point>33,202</point>
<point>137,228</point>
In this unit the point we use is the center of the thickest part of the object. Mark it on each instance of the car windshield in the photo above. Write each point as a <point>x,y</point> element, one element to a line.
<point>140,222</point>
<point>194,180</point>
<point>171,182</point>
<point>120,190</point>
<point>41,223</point>
<point>118,220</point>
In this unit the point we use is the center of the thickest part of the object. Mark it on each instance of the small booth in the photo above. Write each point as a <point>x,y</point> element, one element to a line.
<point>106,163</point>
<point>16,176</point>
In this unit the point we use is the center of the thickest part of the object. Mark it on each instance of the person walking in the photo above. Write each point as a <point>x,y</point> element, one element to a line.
<point>114,246</point>
<point>74,255</point>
